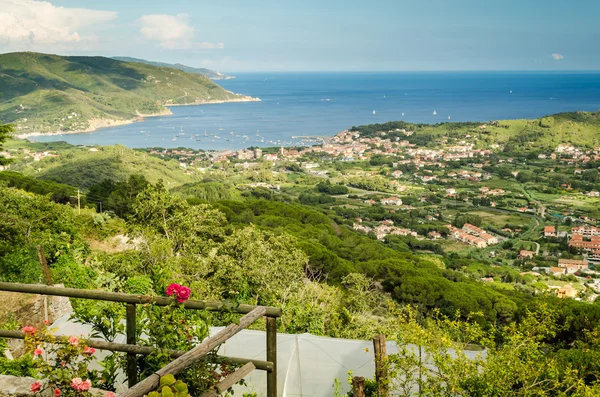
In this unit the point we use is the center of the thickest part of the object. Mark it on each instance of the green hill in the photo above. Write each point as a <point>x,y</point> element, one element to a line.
<point>577,128</point>
<point>211,74</point>
<point>82,166</point>
<point>48,93</point>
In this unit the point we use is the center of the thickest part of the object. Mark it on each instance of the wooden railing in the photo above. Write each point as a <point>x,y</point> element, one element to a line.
<point>182,359</point>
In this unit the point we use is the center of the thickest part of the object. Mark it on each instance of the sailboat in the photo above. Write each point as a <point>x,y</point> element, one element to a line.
<point>434,113</point>
<point>448,117</point>
<point>402,113</point>
<point>374,112</point>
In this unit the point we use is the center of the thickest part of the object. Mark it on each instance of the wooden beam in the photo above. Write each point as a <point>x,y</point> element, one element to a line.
<point>229,381</point>
<point>141,350</point>
<point>44,265</point>
<point>189,358</point>
<point>132,298</point>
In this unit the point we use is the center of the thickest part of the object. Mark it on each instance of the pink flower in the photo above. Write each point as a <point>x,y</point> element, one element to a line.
<point>173,289</point>
<point>63,363</point>
<point>36,387</point>
<point>183,294</point>
<point>46,322</point>
<point>81,385</point>
<point>89,350</point>
<point>29,330</point>
<point>73,340</point>
<point>76,382</point>
<point>56,392</point>
<point>85,385</point>
<point>38,352</point>
<point>110,394</point>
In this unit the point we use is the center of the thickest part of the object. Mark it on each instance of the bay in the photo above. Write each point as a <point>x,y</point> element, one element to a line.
<point>322,104</point>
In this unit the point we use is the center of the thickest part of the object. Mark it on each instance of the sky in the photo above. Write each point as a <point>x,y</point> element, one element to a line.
<point>314,35</point>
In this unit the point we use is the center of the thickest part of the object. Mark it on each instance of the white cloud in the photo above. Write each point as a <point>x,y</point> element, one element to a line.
<point>173,32</point>
<point>557,57</point>
<point>31,24</point>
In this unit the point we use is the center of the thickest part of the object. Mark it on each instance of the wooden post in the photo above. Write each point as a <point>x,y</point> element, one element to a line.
<point>44,265</point>
<point>272,356</point>
<point>381,375</point>
<point>131,357</point>
<point>358,386</point>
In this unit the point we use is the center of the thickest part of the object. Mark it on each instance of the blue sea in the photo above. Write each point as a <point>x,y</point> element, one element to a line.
<point>322,104</point>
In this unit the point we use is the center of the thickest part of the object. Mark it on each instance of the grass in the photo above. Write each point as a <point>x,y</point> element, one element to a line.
<point>498,220</point>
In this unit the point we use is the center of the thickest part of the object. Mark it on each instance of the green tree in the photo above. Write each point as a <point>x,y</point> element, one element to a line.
<point>5,131</point>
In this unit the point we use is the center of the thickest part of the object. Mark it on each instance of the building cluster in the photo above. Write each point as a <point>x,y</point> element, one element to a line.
<point>587,239</point>
<point>248,154</point>
<point>472,235</point>
<point>383,229</point>
<point>573,155</point>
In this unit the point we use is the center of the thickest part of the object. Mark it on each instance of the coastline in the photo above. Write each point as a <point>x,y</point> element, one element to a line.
<point>98,124</point>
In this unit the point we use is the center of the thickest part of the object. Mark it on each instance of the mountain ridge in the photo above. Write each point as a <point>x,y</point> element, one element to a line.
<point>211,74</point>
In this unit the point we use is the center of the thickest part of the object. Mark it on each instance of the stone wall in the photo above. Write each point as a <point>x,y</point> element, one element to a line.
<point>28,309</point>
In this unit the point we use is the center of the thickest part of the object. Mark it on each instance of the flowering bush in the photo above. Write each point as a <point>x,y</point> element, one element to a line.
<point>64,366</point>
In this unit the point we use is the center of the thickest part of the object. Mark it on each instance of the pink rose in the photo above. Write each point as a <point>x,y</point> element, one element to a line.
<point>173,289</point>
<point>85,385</point>
<point>89,350</point>
<point>46,322</point>
<point>110,394</point>
<point>29,330</point>
<point>76,382</point>
<point>36,387</point>
<point>56,392</point>
<point>183,294</point>
<point>73,340</point>
<point>38,352</point>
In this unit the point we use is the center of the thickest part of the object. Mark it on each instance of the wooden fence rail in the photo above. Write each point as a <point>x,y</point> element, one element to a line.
<point>132,298</point>
<point>142,350</point>
<point>250,311</point>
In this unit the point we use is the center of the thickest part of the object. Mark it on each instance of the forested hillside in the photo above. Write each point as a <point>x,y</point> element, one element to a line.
<point>577,128</point>
<point>211,74</point>
<point>48,93</point>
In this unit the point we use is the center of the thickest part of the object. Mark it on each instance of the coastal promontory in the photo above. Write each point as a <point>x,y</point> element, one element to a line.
<point>42,93</point>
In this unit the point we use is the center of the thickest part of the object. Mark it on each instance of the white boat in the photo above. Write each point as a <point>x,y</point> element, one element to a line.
<point>448,117</point>
<point>510,91</point>
<point>374,112</point>
<point>402,113</point>
<point>434,113</point>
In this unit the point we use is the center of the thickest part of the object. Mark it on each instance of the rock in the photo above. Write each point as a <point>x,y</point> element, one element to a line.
<point>28,309</point>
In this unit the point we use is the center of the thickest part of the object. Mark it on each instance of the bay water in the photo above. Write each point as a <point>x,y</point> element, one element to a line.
<point>296,105</point>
